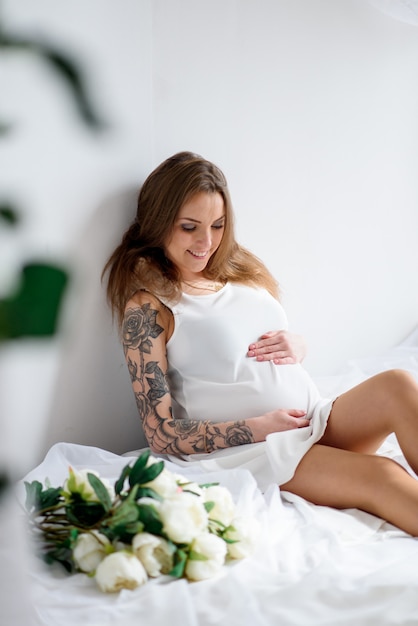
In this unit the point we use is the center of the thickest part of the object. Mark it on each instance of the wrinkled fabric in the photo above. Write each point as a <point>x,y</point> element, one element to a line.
<point>312,565</point>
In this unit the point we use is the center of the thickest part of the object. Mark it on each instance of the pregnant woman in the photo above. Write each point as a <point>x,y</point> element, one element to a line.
<point>216,374</point>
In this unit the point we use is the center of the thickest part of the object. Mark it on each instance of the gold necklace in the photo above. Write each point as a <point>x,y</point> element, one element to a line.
<point>214,286</point>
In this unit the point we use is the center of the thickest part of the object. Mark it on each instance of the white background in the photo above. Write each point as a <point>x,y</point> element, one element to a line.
<point>311,109</point>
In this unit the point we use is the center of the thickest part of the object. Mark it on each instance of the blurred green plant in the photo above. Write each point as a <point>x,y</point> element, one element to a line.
<point>32,309</point>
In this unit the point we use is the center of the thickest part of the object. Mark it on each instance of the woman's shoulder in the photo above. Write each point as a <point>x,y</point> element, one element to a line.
<point>151,304</point>
<point>142,297</point>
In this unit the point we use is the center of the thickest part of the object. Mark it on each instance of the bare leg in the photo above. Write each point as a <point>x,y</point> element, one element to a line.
<point>364,416</point>
<point>344,479</point>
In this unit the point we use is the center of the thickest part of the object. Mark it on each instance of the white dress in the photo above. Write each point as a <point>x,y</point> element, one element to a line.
<point>211,378</point>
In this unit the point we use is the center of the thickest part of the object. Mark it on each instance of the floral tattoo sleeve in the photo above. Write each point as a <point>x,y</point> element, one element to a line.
<point>147,370</point>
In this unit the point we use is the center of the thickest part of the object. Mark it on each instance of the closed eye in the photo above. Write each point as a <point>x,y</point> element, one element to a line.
<point>188,227</point>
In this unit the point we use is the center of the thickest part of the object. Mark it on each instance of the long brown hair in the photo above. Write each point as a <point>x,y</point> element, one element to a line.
<point>139,262</point>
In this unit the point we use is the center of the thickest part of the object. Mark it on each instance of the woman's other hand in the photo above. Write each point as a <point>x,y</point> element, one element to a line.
<point>284,419</point>
<point>287,419</point>
<point>279,346</point>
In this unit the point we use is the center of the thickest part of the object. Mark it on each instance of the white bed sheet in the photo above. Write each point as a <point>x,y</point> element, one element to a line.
<point>312,566</point>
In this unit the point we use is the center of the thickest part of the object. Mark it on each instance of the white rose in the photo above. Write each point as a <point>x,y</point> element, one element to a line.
<point>90,550</point>
<point>120,570</point>
<point>183,516</point>
<point>155,553</point>
<point>78,482</point>
<point>165,484</point>
<point>214,549</point>
<point>246,532</point>
<point>224,509</point>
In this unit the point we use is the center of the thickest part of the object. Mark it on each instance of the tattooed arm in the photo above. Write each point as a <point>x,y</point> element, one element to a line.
<point>147,326</point>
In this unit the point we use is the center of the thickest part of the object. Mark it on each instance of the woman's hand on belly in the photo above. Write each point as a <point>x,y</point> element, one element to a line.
<point>280,346</point>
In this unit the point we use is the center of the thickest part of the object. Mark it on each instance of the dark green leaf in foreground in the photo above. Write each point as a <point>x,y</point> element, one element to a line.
<point>61,553</point>
<point>151,472</point>
<point>85,514</point>
<point>125,532</point>
<point>148,515</point>
<point>147,492</point>
<point>126,513</point>
<point>50,497</point>
<point>135,476</point>
<point>180,560</point>
<point>121,480</point>
<point>100,491</point>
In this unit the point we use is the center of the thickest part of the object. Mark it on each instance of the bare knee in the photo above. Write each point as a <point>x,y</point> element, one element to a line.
<point>343,479</point>
<point>382,476</point>
<point>398,380</point>
<point>398,391</point>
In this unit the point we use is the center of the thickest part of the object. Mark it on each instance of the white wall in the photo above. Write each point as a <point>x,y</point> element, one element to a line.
<point>309,106</point>
<point>77,192</point>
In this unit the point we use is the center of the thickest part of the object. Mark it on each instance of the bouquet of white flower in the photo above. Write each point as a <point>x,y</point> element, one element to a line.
<point>151,523</point>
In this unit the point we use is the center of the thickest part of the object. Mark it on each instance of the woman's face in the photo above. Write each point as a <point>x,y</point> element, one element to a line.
<point>196,234</point>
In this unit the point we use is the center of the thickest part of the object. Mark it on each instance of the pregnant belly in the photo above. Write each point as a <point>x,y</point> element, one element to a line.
<point>261,387</point>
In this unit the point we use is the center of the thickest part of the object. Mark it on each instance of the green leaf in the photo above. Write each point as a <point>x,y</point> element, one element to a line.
<point>50,497</point>
<point>133,528</point>
<point>126,532</point>
<point>5,129</point>
<point>8,214</point>
<point>197,556</point>
<point>147,492</point>
<point>151,472</point>
<point>148,515</point>
<point>4,483</point>
<point>38,499</point>
<point>100,491</point>
<point>139,465</point>
<point>64,67</point>
<point>208,506</point>
<point>121,480</point>
<point>69,70</point>
<point>133,494</point>
<point>33,495</point>
<point>85,514</point>
<point>218,523</point>
<point>33,308</point>
<point>206,485</point>
<point>127,512</point>
<point>61,553</point>
<point>180,560</point>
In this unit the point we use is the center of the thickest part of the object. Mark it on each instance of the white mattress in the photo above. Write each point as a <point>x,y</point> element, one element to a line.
<point>312,566</point>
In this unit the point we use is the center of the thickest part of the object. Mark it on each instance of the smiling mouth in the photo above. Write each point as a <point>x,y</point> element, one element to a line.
<point>198,255</point>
